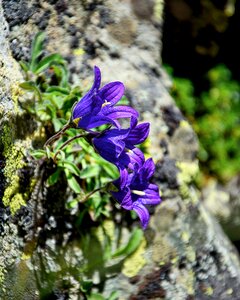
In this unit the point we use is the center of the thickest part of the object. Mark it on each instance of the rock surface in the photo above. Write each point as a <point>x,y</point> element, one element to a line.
<point>185,254</point>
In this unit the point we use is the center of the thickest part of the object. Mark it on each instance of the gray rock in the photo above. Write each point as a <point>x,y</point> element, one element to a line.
<point>184,253</point>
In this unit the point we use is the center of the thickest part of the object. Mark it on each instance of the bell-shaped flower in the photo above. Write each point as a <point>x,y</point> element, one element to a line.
<point>97,108</point>
<point>118,145</point>
<point>137,191</point>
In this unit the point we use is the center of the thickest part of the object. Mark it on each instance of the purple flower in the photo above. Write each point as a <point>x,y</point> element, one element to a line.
<point>97,106</point>
<point>118,145</point>
<point>138,191</point>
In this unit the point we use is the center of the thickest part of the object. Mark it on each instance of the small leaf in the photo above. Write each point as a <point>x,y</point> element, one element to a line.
<point>90,171</point>
<point>95,296</point>
<point>74,185</point>
<point>57,124</point>
<point>28,85</point>
<point>37,154</point>
<point>57,89</point>
<point>73,203</point>
<point>31,86</point>
<point>114,295</point>
<point>132,244</point>
<point>47,61</point>
<point>24,66</point>
<point>52,179</point>
<point>70,167</point>
<point>86,286</point>
<point>48,151</point>
<point>37,48</point>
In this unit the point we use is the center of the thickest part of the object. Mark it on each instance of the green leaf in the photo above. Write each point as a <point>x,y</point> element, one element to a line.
<point>47,61</point>
<point>37,154</point>
<point>31,86</point>
<point>62,74</point>
<point>57,89</point>
<point>114,295</point>
<point>90,171</point>
<point>71,167</point>
<point>52,179</point>
<point>24,66</point>
<point>132,245</point>
<point>37,48</point>
<point>74,185</point>
<point>48,151</point>
<point>57,123</point>
<point>95,296</point>
<point>73,203</point>
<point>86,285</point>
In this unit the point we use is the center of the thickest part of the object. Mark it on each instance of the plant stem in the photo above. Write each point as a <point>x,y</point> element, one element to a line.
<point>91,193</point>
<point>57,135</point>
<point>66,143</point>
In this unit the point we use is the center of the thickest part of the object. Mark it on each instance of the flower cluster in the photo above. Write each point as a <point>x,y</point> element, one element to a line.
<point>118,145</point>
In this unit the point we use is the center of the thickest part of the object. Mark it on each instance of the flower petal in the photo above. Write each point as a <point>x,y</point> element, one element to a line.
<point>112,92</point>
<point>89,104</point>
<point>110,145</point>
<point>89,122</point>
<point>138,135</point>
<point>147,170</point>
<point>136,159</point>
<point>143,214</point>
<point>124,198</point>
<point>121,111</point>
<point>151,195</point>
<point>97,79</point>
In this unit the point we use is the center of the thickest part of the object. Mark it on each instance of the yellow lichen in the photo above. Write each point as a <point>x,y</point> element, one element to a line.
<point>186,278</point>
<point>209,291</point>
<point>135,262</point>
<point>158,9</point>
<point>78,52</point>
<point>13,154</point>
<point>189,171</point>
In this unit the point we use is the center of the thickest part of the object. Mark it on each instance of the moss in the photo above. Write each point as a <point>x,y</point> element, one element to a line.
<point>135,262</point>
<point>13,154</point>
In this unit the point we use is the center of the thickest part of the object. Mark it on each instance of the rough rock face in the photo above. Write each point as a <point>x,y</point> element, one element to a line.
<point>185,254</point>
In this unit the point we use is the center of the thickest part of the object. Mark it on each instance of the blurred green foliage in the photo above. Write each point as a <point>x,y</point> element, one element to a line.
<point>215,117</point>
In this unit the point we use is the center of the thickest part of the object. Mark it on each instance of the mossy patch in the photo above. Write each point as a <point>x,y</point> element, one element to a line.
<point>13,154</point>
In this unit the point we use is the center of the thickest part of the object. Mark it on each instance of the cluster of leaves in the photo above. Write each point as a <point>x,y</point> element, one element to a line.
<point>215,118</point>
<point>50,98</point>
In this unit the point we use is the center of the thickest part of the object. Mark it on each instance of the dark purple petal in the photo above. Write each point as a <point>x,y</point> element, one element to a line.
<point>89,122</point>
<point>151,196</point>
<point>148,170</point>
<point>112,92</point>
<point>133,122</point>
<point>108,150</point>
<point>138,135</point>
<point>143,214</point>
<point>124,198</point>
<point>136,159</point>
<point>89,104</point>
<point>97,79</point>
<point>119,112</point>
<point>123,178</point>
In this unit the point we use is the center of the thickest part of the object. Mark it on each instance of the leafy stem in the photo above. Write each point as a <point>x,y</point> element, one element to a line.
<point>66,143</point>
<point>58,134</point>
<point>93,192</point>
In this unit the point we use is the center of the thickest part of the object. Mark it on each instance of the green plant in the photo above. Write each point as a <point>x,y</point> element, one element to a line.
<point>215,118</point>
<point>49,98</point>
